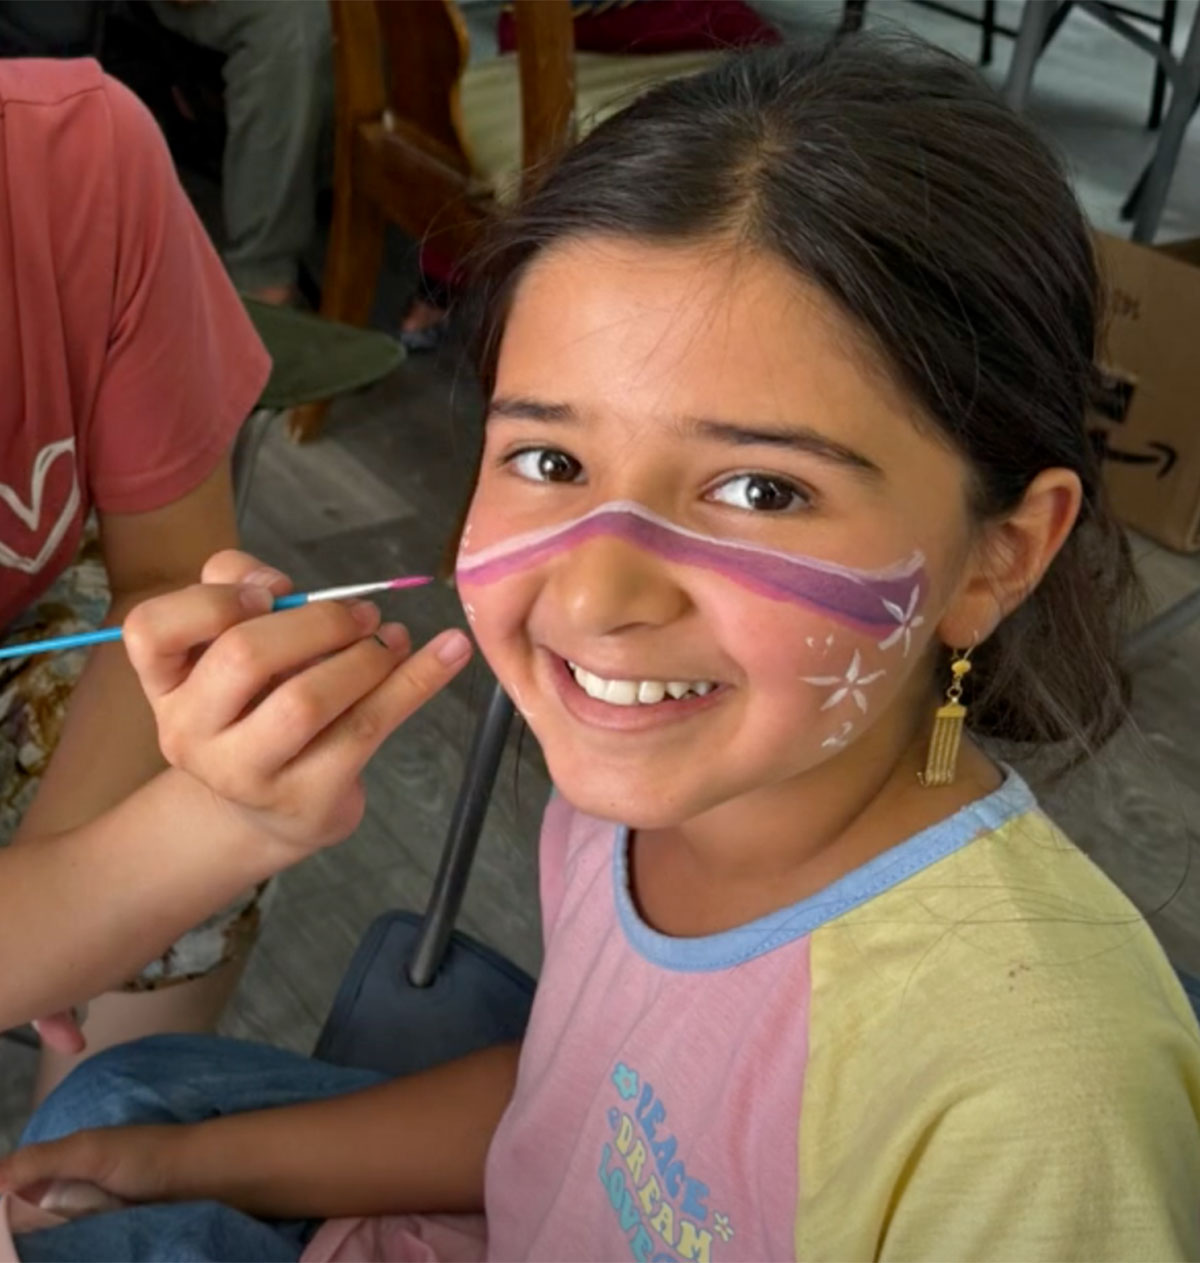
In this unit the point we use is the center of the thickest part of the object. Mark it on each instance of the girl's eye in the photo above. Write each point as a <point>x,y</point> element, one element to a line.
<point>545,464</point>
<point>761,493</point>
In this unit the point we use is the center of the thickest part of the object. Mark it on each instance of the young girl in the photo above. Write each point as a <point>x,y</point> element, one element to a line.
<point>788,367</point>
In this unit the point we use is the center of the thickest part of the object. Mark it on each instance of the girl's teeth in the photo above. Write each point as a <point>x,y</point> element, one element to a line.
<point>621,693</point>
<point>591,684</point>
<point>636,692</point>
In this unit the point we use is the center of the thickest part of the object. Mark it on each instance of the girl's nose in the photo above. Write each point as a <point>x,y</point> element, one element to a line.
<point>607,585</point>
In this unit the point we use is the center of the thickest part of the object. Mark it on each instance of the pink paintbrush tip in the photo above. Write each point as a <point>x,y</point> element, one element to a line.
<point>411,581</point>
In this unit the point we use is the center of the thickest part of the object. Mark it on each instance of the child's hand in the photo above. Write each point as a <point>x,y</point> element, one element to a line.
<point>278,712</point>
<point>88,1169</point>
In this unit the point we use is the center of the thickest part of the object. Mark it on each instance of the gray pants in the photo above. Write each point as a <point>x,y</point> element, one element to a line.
<point>278,103</point>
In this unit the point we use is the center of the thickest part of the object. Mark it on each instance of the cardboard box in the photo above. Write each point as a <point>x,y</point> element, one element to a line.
<point>1148,427</point>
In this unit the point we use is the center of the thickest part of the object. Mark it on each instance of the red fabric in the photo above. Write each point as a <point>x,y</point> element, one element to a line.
<point>439,266</point>
<point>127,360</point>
<point>657,26</point>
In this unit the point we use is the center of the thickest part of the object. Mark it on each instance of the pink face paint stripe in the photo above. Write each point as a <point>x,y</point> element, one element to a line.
<point>873,600</point>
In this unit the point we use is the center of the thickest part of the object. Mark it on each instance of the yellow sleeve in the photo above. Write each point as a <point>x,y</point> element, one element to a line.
<point>1057,1152</point>
<point>1002,1066</point>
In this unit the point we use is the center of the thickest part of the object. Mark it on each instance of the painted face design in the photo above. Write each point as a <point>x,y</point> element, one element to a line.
<point>882,604</point>
<point>718,659</point>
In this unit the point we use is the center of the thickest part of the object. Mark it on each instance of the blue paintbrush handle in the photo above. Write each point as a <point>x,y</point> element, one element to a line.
<point>106,634</point>
<point>61,642</point>
<point>346,592</point>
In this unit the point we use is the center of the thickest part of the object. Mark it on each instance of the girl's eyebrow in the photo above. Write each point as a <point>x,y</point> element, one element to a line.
<point>796,438</point>
<point>531,410</point>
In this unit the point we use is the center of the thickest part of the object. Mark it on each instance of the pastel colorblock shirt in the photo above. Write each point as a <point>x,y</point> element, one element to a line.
<point>970,1048</point>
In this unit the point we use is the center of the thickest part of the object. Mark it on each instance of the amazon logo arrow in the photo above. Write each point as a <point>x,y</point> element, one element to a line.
<point>1161,454</point>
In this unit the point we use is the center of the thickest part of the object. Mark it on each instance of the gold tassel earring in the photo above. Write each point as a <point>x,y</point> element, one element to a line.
<point>941,762</point>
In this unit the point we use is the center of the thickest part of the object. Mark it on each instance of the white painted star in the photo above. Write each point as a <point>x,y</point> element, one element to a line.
<point>907,621</point>
<point>849,685</point>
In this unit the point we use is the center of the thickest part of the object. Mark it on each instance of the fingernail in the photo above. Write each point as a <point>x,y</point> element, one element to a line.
<point>265,577</point>
<point>452,646</point>
<point>393,636</point>
<point>255,600</point>
<point>366,613</point>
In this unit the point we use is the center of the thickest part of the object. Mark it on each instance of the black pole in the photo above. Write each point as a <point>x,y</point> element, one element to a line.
<point>458,853</point>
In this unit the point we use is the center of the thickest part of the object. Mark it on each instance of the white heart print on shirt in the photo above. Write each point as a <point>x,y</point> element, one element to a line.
<point>31,513</point>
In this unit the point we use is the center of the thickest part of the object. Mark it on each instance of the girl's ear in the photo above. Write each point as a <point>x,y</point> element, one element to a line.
<point>1011,556</point>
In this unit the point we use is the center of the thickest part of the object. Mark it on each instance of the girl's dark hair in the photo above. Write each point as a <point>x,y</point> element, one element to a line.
<point>888,173</point>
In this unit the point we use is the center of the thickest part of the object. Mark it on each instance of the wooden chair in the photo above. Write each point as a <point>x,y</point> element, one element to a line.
<point>435,147</point>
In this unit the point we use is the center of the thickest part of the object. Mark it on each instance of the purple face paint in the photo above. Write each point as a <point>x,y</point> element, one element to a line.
<point>878,602</point>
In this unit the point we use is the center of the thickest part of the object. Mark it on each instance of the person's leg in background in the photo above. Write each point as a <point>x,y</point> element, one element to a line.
<point>49,28</point>
<point>278,99</point>
<point>185,989</point>
<point>179,1079</point>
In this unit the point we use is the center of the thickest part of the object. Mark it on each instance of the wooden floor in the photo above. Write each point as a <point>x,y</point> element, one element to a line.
<point>378,496</point>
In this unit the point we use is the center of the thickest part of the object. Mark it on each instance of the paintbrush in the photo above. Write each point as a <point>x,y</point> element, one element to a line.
<point>105,634</point>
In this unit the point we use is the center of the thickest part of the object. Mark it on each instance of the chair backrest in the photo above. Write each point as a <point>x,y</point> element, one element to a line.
<point>405,61</point>
<point>401,63</point>
<point>546,55</point>
<point>425,49</point>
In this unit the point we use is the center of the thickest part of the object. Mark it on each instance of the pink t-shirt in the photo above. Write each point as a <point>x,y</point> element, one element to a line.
<point>127,360</point>
<point>643,1095</point>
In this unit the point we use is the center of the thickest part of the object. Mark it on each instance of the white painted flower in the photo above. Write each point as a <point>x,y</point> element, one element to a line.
<point>907,621</point>
<point>849,685</point>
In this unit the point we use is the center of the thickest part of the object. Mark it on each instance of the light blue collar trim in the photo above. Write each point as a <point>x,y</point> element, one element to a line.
<point>732,947</point>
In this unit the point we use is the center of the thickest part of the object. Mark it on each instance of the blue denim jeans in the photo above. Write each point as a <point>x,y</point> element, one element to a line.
<point>378,1019</point>
<point>179,1079</point>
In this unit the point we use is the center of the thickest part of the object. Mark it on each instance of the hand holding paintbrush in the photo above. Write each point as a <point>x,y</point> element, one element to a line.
<point>277,713</point>
<point>104,635</point>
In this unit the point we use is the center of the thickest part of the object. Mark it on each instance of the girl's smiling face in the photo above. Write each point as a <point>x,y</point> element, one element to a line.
<point>720,421</point>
